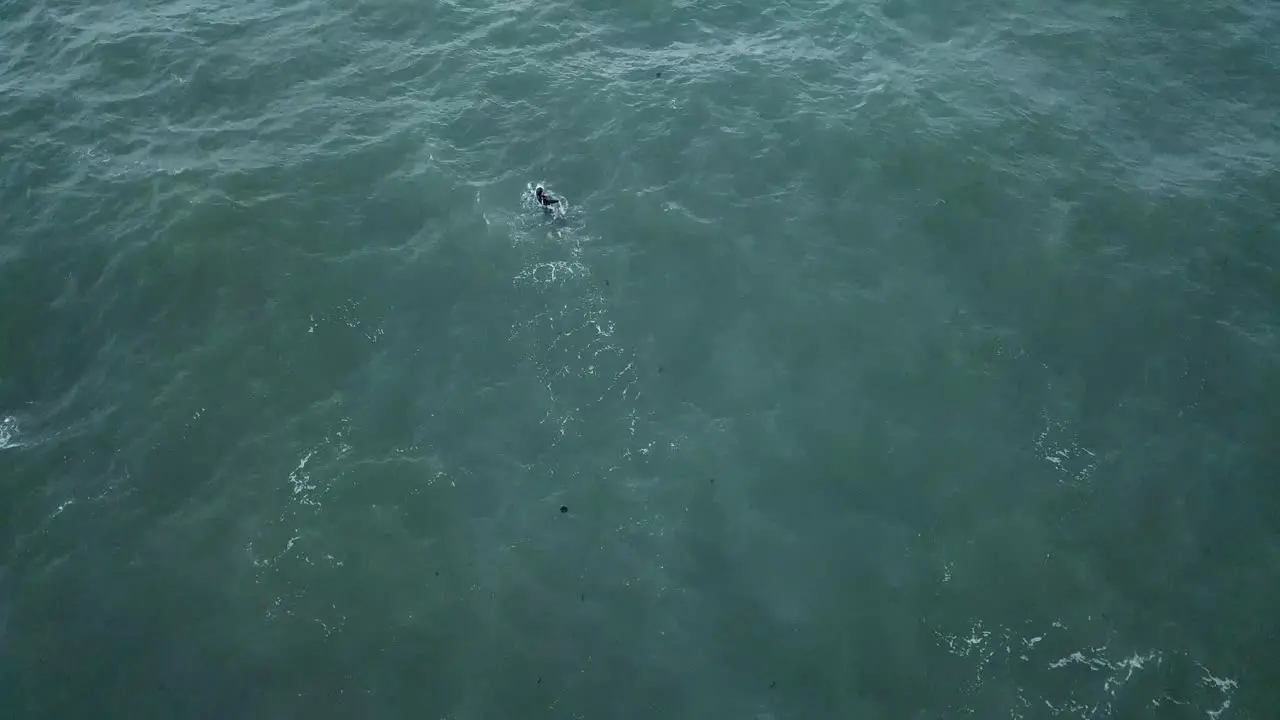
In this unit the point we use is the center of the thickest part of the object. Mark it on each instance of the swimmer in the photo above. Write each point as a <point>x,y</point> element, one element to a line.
<point>545,200</point>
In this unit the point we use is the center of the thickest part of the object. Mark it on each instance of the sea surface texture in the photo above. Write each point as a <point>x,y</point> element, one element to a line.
<point>892,359</point>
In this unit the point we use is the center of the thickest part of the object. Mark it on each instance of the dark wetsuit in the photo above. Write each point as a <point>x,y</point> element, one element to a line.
<point>546,200</point>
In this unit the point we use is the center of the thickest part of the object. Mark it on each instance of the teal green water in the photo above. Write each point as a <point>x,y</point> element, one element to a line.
<point>903,360</point>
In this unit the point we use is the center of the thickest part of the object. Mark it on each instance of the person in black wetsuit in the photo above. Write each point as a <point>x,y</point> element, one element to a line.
<point>545,200</point>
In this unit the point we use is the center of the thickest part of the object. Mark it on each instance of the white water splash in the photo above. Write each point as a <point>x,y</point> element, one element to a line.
<point>9,431</point>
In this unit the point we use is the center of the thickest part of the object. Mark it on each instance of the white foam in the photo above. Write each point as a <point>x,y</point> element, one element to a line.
<point>8,431</point>
<point>1091,694</point>
<point>1226,686</point>
<point>555,272</point>
<point>301,481</point>
<point>347,314</point>
<point>1058,446</point>
<point>58,511</point>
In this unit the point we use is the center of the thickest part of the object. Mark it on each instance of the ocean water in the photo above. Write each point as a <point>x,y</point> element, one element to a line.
<point>894,359</point>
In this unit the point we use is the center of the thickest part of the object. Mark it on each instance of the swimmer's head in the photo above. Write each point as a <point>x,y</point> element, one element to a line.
<point>538,191</point>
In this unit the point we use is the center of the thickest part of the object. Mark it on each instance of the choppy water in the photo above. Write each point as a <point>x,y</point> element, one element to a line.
<point>894,360</point>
